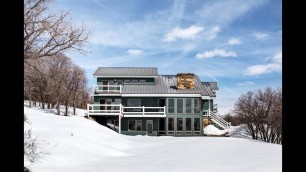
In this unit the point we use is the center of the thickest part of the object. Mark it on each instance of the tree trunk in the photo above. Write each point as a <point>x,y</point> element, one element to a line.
<point>48,106</point>
<point>58,109</point>
<point>66,109</point>
<point>43,105</point>
<point>30,101</point>
<point>74,108</point>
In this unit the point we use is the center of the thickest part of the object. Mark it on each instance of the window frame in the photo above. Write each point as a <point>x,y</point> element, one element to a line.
<point>135,127</point>
<point>133,109</point>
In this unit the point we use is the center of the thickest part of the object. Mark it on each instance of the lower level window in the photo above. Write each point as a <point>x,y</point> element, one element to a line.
<point>170,126</point>
<point>196,125</point>
<point>135,125</point>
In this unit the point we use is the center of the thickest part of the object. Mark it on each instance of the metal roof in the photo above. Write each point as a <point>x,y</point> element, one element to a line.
<point>211,85</point>
<point>166,84</point>
<point>125,71</point>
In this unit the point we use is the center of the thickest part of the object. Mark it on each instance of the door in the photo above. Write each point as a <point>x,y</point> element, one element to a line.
<point>149,127</point>
<point>161,126</point>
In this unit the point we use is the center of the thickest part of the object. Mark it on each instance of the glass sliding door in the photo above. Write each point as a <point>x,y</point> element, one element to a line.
<point>179,127</point>
<point>196,126</point>
<point>188,130</point>
<point>170,126</point>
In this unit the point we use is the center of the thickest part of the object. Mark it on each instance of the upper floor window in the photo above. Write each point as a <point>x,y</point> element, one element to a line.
<point>135,81</point>
<point>188,106</point>
<point>180,105</point>
<point>196,106</point>
<point>142,81</point>
<point>119,82</point>
<point>171,106</point>
<point>127,81</point>
<point>134,103</point>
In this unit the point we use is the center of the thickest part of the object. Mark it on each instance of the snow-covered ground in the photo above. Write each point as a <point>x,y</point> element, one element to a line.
<point>211,130</point>
<point>78,144</point>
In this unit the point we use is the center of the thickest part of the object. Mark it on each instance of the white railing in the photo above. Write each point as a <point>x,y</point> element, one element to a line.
<point>217,119</point>
<point>100,109</point>
<point>114,89</point>
<point>117,109</point>
<point>144,111</point>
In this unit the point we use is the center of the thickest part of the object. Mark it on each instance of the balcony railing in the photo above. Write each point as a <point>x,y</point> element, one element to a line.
<point>108,89</point>
<point>117,109</point>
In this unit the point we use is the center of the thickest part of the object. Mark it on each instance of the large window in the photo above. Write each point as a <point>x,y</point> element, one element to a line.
<point>180,105</point>
<point>179,128</point>
<point>196,125</point>
<point>196,105</point>
<point>188,106</point>
<point>135,125</point>
<point>171,106</point>
<point>170,126</point>
<point>134,103</point>
<point>188,126</point>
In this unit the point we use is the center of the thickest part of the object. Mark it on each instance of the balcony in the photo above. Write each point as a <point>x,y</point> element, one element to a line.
<point>108,89</point>
<point>117,109</point>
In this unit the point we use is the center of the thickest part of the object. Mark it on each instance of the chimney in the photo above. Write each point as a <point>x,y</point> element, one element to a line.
<point>185,81</point>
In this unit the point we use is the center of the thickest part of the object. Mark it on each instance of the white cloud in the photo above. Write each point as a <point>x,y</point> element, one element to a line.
<point>246,84</point>
<point>134,52</point>
<point>215,52</point>
<point>234,41</point>
<point>260,36</point>
<point>276,66</point>
<point>263,69</point>
<point>212,33</point>
<point>178,33</point>
<point>278,57</point>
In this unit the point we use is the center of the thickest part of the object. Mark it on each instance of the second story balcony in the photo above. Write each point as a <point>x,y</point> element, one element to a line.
<point>108,89</point>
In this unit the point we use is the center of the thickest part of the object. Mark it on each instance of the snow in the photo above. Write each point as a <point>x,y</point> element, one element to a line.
<point>211,130</point>
<point>78,144</point>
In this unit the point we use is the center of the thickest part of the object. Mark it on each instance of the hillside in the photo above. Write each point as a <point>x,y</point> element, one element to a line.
<point>78,144</point>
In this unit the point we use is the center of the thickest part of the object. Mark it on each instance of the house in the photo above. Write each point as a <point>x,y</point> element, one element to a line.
<point>139,101</point>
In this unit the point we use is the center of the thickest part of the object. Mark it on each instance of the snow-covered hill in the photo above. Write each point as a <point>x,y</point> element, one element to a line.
<point>78,144</point>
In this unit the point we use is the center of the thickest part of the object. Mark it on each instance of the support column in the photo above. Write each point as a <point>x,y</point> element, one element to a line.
<point>120,116</point>
<point>208,107</point>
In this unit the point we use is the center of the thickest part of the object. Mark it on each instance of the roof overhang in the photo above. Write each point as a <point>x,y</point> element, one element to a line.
<point>207,98</point>
<point>161,95</point>
<point>101,76</point>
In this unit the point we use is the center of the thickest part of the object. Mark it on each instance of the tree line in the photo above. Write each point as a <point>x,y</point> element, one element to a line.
<point>53,81</point>
<point>261,112</point>
<point>50,77</point>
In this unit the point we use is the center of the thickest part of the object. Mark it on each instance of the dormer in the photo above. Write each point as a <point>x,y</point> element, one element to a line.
<point>126,75</point>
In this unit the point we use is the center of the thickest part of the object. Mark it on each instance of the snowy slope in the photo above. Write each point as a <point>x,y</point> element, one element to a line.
<point>78,144</point>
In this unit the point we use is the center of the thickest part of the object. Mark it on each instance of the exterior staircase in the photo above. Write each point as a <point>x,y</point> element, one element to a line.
<point>217,120</point>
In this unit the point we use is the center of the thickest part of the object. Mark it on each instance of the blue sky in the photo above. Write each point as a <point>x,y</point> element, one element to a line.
<point>236,43</point>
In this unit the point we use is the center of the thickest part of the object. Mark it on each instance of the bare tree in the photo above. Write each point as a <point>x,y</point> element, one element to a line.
<point>261,111</point>
<point>47,33</point>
